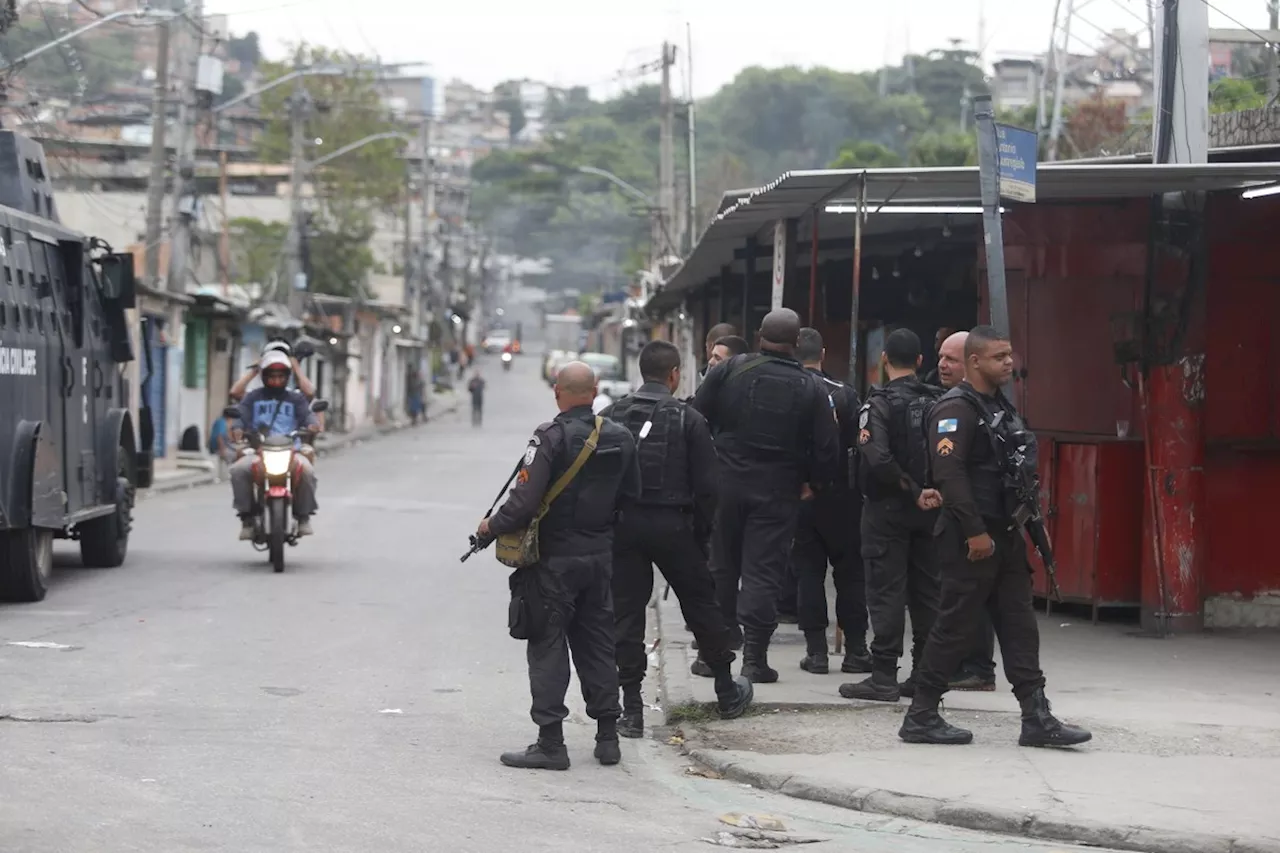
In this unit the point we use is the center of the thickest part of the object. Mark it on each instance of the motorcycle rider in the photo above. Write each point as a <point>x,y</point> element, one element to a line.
<point>251,380</point>
<point>281,410</point>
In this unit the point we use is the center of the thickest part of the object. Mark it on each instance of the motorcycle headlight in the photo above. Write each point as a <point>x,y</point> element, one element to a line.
<point>276,462</point>
<point>506,356</point>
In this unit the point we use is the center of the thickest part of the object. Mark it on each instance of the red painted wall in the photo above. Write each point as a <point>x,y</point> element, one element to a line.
<point>1242,387</point>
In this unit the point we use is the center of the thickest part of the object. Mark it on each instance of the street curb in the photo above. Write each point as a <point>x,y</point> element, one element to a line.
<point>1029,824</point>
<point>675,685</point>
<point>348,440</point>
<point>676,691</point>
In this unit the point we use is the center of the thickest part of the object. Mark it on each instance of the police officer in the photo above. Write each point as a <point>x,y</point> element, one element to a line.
<point>777,439</point>
<point>714,334</point>
<point>726,348</point>
<point>897,517</point>
<point>572,575</point>
<point>981,550</point>
<point>827,532</point>
<point>978,670</point>
<point>668,525</point>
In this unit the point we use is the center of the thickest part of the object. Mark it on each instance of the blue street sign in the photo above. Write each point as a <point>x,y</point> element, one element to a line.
<point>1017,163</point>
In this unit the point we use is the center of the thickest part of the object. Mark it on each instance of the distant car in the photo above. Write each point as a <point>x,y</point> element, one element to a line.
<point>608,370</point>
<point>496,341</point>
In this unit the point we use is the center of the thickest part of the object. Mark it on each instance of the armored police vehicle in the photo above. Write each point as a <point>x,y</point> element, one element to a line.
<point>69,462</point>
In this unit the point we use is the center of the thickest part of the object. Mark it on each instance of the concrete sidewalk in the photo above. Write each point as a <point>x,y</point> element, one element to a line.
<point>179,479</point>
<point>1185,755</point>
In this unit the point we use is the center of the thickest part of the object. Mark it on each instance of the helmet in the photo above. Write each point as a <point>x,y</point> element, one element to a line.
<point>275,362</point>
<point>277,346</point>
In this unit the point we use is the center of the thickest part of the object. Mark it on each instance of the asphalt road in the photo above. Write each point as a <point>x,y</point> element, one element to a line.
<point>195,701</point>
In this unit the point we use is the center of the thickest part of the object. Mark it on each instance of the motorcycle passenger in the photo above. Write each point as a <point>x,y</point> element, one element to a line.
<point>281,410</point>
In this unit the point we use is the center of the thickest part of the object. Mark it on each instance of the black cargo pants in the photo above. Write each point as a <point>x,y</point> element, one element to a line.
<point>663,536</point>
<point>827,533</point>
<point>902,575</point>
<point>752,545</point>
<point>579,604</point>
<point>1000,587</point>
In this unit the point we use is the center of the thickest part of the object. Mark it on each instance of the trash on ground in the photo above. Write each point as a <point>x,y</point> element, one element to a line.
<point>767,823</point>
<point>704,772</point>
<point>391,711</point>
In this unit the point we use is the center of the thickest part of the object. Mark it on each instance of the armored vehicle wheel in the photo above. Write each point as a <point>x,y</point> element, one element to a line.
<point>26,563</point>
<point>104,542</point>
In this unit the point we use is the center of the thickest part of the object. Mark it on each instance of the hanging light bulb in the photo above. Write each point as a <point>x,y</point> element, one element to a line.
<point>897,273</point>
<point>946,229</point>
<point>918,252</point>
<point>875,273</point>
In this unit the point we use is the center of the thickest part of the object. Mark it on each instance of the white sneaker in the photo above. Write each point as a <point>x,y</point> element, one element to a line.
<point>246,533</point>
<point>304,527</point>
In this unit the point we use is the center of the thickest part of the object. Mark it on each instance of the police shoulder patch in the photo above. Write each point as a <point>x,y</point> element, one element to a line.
<point>945,447</point>
<point>948,425</point>
<point>530,454</point>
<point>864,435</point>
<point>864,418</point>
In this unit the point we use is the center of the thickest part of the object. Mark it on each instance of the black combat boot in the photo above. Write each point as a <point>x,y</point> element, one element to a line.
<point>701,668</point>
<point>815,658</point>
<point>882,686</point>
<point>1041,728</point>
<point>608,751</point>
<point>972,682</point>
<point>856,657</point>
<point>632,722</point>
<point>908,687</point>
<point>548,753</point>
<point>923,724</point>
<point>755,661</point>
<point>733,694</point>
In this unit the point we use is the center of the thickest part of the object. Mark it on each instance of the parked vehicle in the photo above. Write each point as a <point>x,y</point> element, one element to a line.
<point>608,370</point>
<point>71,458</point>
<point>496,341</point>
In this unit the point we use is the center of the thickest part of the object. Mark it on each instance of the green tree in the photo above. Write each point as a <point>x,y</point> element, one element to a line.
<point>1232,94</point>
<point>866,155</point>
<point>944,148</point>
<point>257,249</point>
<point>507,99</point>
<point>350,189</point>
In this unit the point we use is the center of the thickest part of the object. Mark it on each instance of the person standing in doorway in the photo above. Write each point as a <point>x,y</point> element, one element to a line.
<point>476,388</point>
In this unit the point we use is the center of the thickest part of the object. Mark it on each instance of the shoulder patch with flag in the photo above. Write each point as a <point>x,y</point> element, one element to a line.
<point>948,425</point>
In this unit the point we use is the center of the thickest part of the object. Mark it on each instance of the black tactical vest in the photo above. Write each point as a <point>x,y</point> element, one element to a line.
<point>910,403</point>
<point>660,447</point>
<point>770,426</point>
<point>986,468</point>
<point>580,520</point>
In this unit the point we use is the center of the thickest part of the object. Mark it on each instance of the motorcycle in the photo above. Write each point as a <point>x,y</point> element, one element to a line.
<point>273,525</point>
<point>506,361</point>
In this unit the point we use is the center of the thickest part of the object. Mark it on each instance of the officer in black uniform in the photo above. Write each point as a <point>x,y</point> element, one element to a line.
<point>573,574</point>
<point>981,550</point>
<point>668,525</point>
<point>897,517</point>
<point>777,439</point>
<point>827,532</point>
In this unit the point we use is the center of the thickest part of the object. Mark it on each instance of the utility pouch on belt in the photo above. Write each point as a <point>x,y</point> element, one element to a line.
<point>527,612</point>
<point>519,549</point>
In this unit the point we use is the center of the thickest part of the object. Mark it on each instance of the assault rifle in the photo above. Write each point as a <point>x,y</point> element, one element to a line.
<point>477,545</point>
<point>1025,487</point>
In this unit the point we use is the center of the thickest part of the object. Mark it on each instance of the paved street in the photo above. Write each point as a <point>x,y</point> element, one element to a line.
<point>358,702</point>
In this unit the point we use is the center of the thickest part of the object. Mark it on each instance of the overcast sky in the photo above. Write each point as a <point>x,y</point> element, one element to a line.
<point>571,42</point>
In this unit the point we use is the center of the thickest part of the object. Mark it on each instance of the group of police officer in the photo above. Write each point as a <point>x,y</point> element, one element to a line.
<point>771,471</point>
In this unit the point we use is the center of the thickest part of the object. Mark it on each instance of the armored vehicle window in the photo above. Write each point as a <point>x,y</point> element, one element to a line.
<point>8,237</point>
<point>39,321</point>
<point>22,279</point>
<point>26,310</point>
<point>3,315</point>
<point>8,276</point>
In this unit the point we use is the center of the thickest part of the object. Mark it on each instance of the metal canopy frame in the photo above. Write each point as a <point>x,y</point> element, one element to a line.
<point>750,213</point>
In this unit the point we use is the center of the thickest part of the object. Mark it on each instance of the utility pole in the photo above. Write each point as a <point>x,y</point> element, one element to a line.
<point>1273,84</point>
<point>426,247</point>
<point>294,278</point>
<point>1060,74</point>
<point>1051,64</point>
<point>693,146</point>
<point>666,157</point>
<point>184,209</point>
<point>159,158</point>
